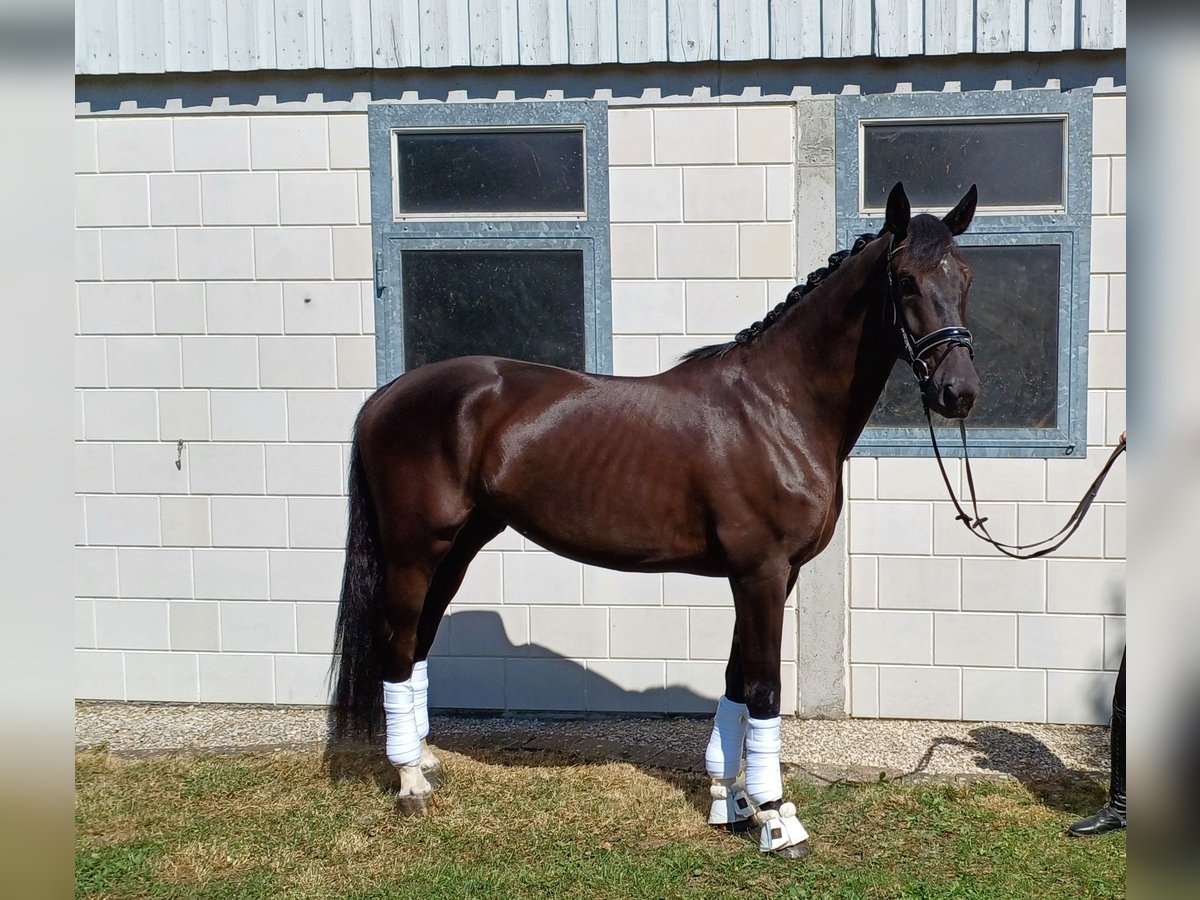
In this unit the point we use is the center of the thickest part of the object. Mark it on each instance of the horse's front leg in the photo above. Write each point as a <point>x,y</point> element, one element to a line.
<point>759,598</point>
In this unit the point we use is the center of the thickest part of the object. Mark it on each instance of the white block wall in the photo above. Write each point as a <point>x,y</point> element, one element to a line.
<point>224,301</point>
<point>942,626</point>
<point>703,228</point>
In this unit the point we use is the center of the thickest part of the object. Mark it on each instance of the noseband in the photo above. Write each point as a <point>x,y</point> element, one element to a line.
<point>952,336</point>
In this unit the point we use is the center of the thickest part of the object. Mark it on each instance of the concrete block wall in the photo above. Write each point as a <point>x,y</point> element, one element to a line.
<point>942,626</point>
<point>224,301</point>
<point>703,225</point>
<point>225,320</point>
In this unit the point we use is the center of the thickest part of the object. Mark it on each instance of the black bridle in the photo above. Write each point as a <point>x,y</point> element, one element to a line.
<point>951,336</point>
<point>956,336</point>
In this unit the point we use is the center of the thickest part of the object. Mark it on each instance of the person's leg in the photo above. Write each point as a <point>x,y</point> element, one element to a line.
<point>1112,816</point>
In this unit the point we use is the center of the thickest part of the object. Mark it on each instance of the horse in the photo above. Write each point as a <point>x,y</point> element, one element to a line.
<point>727,465</point>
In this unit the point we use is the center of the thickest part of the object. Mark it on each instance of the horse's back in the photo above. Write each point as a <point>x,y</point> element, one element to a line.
<point>463,382</point>
<point>445,409</point>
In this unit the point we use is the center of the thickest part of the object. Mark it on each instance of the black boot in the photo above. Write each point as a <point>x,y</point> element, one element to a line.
<point>1112,816</point>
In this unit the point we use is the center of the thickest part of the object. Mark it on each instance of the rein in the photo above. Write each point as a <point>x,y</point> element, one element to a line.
<point>952,337</point>
<point>976,523</point>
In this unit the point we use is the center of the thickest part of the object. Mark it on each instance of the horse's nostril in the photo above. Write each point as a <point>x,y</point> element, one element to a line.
<point>957,399</point>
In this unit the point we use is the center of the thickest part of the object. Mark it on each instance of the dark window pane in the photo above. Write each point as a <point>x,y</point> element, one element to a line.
<point>1014,163</point>
<point>490,172</point>
<point>1012,312</point>
<point>523,304</point>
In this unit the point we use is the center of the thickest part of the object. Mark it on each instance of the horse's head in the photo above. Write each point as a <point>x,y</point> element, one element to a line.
<point>929,280</point>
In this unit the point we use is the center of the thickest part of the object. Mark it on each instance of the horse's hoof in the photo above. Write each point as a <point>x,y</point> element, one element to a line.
<point>414,805</point>
<point>795,851</point>
<point>434,776</point>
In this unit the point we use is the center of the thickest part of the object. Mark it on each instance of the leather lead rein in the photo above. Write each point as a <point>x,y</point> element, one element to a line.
<point>976,524</point>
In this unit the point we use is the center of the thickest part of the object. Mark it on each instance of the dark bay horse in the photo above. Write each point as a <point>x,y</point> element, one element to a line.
<point>728,465</point>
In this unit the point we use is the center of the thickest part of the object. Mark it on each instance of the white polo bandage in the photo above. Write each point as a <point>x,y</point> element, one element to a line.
<point>403,742</point>
<point>420,683</point>
<point>763,743</point>
<point>723,758</point>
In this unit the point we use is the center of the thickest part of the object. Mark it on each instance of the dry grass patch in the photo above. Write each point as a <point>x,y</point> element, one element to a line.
<point>537,791</point>
<point>201,862</point>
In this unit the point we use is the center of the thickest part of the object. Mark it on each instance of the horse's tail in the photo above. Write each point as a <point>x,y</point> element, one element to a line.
<point>358,694</point>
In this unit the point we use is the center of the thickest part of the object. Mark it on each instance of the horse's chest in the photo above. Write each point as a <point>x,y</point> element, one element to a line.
<point>808,519</point>
<point>828,527</point>
<point>809,501</point>
<point>792,509</point>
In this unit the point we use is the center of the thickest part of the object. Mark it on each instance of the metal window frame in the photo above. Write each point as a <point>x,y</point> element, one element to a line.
<point>391,235</point>
<point>1070,228</point>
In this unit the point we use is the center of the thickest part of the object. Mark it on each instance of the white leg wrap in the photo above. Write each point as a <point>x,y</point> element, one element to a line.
<point>420,683</point>
<point>763,743</point>
<point>730,804</point>
<point>723,758</point>
<point>403,743</point>
<point>780,828</point>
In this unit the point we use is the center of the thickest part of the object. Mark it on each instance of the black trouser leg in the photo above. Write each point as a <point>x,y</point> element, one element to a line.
<point>1111,816</point>
<point>1116,790</point>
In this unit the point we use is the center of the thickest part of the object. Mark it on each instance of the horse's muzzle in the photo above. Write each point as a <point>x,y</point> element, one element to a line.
<point>953,397</point>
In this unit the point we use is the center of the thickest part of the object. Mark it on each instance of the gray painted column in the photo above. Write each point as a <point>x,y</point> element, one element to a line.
<point>821,589</point>
<point>816,186</point>
<point>821,627</point>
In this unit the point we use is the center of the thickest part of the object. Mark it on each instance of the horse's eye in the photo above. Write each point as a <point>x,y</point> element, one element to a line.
<point>908,285</point>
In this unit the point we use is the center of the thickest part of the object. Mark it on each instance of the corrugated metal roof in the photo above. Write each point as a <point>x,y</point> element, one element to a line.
<point>127,36</point>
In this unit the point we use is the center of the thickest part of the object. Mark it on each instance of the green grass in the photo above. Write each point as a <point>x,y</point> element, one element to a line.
<point>530,825</point>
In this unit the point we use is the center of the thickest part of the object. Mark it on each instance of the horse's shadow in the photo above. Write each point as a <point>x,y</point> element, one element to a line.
<point>520,737</point>
<point>999,750</point>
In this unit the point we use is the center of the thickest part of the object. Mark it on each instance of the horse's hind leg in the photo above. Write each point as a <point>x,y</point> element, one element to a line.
<point>726,746</point>
<point>406,582</point>
<point>447,579</point>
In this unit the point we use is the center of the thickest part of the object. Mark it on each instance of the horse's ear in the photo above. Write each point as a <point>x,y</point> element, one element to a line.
<point>898,212</point>
<point>959,218</point>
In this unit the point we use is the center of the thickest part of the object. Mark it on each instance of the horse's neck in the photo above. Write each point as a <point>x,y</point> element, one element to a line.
<point>834,352</point>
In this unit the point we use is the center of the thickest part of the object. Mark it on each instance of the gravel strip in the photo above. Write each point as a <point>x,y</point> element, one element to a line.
<point>850,749</point>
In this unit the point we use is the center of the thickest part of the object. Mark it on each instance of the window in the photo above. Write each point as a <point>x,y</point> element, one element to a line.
<point>1030,154</point>
<point>490,231</point>
<point>479,173</point>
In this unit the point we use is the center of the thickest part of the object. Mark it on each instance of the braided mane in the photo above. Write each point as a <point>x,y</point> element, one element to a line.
<point>750,333</point>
